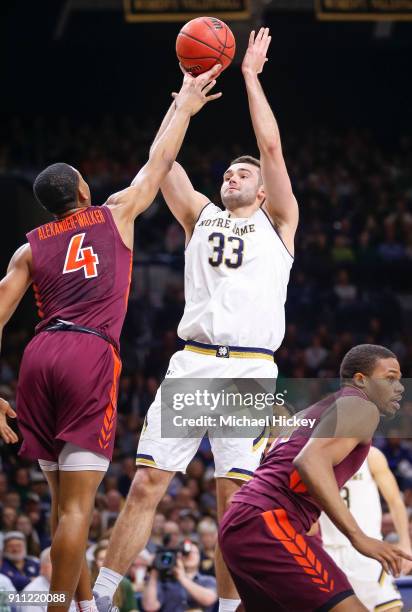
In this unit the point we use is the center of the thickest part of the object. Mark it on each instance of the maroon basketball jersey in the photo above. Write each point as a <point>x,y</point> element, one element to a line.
<point>82,271</point>
<point>277,482</point>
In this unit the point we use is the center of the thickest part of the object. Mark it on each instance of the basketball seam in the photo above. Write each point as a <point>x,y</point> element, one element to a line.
<point>186,57</point>
<point>206,45</point>
<point>216,36</point>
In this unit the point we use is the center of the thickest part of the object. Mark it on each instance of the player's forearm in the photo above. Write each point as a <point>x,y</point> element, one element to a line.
<point>263,120</point>
<point>164,152</point>
<point>400,520</point>
<point>319,478</point>
<point>165,123</point>
<point>204,597</point>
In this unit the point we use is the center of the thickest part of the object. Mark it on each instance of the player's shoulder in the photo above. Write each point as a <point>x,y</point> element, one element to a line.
<point>23,255</point>
<point>376,459</point>
<point>210,210</point>
<point>356,415</point>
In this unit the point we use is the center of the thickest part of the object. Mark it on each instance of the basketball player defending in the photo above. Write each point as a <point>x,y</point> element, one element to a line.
<point>236,274</point>
<point>264,537</point>
<point>374,587</point>
<point>80,266</point>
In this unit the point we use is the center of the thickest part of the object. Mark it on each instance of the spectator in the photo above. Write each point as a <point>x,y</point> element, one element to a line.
<point>172,534</point>
<point>187,524</point>
<point>315,354</point>
<point>138,573</point>
<point>207,530</point>
<point>114,504</point>
<point>189,590</point>
<point>41,584</point>
<point>20,568</point>
<point>5,582</point>
<point>8,518</point>
<point>24,525</point>
<point>4,487</point>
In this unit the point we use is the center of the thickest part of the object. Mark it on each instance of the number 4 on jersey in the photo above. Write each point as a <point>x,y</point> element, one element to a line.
<point>78,258</point>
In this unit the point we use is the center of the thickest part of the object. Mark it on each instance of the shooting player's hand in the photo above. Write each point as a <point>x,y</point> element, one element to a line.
<point>255,56</point>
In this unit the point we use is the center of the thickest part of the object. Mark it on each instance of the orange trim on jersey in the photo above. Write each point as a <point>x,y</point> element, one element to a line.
<point>106,431</point>
<point>38,301</point>
<point>280,527</point>
<point>296,484</point>
<point>130,279</point>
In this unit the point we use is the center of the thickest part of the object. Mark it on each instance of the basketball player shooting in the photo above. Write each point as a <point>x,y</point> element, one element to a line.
<point>264,536</point>
<point>80,267</point>
<point>237,266</point>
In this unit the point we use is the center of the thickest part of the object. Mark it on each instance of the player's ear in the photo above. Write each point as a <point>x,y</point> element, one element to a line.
<point>83,192</point>
<point>261,195</point>
<point>360,380</point>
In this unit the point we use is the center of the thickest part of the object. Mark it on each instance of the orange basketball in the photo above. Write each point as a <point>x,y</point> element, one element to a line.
<point>204,42</point>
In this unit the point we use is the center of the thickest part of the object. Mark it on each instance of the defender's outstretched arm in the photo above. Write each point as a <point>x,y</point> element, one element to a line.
<point>192,97</point>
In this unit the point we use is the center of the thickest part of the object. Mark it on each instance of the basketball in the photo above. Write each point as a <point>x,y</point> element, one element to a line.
<point>204,42</point>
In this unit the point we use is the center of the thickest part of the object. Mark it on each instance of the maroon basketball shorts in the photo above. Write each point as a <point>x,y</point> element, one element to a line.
<point>275,566</point>
<point>67,392</point>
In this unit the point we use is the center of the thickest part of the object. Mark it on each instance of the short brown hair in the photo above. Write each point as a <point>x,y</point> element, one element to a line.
<point>363,358</point>
<point>246,159</point>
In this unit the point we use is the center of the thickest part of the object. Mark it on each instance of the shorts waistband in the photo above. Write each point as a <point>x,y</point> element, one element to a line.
<point>68,326</point>
<point>224,351</point>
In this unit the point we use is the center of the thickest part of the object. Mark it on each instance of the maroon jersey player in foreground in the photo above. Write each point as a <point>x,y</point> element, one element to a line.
<point>80,266</point>
<point>274,563</point>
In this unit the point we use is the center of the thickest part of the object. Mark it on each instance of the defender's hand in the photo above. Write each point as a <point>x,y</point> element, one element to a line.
<point>255,57</point>
<point>193,93</point>
<point>389,555</point>
<point>8,435</point>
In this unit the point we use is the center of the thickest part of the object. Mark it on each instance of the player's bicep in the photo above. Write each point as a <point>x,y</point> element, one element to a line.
<point>280,202</point>
<point>184,202</point>
<point>330,450</point>
<point>16,282</point>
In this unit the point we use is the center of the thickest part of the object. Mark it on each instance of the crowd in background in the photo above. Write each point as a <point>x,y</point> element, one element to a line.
<point>350,284</point>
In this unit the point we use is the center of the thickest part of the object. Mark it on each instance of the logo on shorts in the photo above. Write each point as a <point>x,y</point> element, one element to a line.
<point>223,351</point>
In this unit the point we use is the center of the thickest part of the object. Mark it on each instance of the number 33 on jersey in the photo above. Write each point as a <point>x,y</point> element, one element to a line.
<point>236,276</point>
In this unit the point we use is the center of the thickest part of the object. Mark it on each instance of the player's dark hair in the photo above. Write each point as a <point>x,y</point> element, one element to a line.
<point>55,188</point>
<point>246,159</point>
<point>362,358</point>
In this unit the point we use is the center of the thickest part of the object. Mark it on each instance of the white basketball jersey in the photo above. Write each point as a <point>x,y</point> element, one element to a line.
<point>236,277</point>
<point>361,495</point>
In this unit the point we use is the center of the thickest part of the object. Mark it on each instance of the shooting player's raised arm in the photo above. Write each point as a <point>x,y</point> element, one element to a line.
<point>280,204</point>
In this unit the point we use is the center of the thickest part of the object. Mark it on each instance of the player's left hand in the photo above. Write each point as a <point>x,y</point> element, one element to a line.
<point>6,432</point>
<point>255,57</point>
